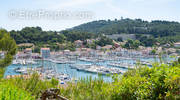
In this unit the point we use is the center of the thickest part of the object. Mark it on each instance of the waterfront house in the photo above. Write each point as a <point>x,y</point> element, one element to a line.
<point>45,53</point>
<point>22,55</point>
<point>66,52</point>
<point>78,43</point>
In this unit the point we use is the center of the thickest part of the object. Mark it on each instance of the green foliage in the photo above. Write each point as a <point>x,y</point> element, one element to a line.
<point>144,83</point>
<point>33,85</point>
<point>54,82</point>
<point>130,26</point>
<point>150,83</point>
<point>120,39</point>
<point>77,35</point>
<point>87,89</point>
<point>130,44</point>
<point>8,91</point>
<point>2,70</point>
<point>147,32</point>
<point>153,52</point>
<point>91,45</point>
<point>36,35</point>
<point>146,40</point>
<point>104,41</point>
<point>160,82</point>
<point>36,49</point>
<point>8,46</point>
<point>39,37</point>
<point>168,39</point>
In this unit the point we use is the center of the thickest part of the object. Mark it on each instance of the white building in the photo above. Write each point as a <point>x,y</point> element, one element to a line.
<point>45,52</point>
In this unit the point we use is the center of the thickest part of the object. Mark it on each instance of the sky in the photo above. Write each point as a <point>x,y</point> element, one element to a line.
<point>17,14</point>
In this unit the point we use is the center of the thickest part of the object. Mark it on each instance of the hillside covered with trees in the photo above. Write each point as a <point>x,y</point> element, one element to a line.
<point>129,26</point>
<point>145,33</point>
<point>36,35</point>
<point>163,31</point>
<point>41,38</point>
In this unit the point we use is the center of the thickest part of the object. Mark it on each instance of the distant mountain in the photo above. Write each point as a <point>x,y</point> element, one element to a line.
<point>155,28</point>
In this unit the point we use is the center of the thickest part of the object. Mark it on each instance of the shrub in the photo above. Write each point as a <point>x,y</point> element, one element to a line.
<point>10,92</point>
<point>159,82</point>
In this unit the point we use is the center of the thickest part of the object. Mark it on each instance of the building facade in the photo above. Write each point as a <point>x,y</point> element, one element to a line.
<point>45,53</point>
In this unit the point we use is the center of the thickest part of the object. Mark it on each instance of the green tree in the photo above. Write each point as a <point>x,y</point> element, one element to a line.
<point>8,47</point>
<point>36,49</point>
<point>104,41</point>
<point>153,52</point>
<point>130,44</point>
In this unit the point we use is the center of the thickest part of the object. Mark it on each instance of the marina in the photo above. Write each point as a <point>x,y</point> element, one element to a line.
<point>66,68</point>
<point>66,65</point>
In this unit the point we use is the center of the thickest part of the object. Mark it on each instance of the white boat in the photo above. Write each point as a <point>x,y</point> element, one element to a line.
<point>15,62</point>
<point>122,65</point>
<point>23,62</point>
<point>22,70</point>
<point>97,69</point>
<point>30,61</point>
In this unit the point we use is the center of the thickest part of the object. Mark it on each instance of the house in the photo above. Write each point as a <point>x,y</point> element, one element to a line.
<point>28,51</point>
<point>78,43</point>
<point>98,47</point>
<point>116,44</point>
<point>90,41</point>
<point>45,52</point>
<point>66,52</point>
<point>22,55</point>
<point>177,44</point>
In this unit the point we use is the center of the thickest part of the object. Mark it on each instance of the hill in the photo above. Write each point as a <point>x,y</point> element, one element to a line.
<point>129,26</point>
<point>148,33</point>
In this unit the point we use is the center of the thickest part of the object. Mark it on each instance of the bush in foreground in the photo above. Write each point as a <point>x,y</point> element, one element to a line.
<point>159,82</point>
<point>9,91</point>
